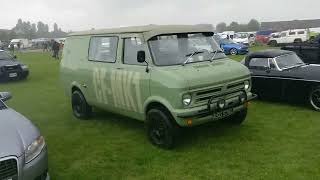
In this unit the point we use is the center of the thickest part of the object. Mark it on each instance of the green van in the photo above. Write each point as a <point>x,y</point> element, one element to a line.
<point>169,76</point>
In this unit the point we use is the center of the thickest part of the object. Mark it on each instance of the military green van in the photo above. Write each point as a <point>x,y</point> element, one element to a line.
<point>169,76</point>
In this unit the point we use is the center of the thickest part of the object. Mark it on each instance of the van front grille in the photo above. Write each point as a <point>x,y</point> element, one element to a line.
<point>203,96</point>
<point>8,169</point>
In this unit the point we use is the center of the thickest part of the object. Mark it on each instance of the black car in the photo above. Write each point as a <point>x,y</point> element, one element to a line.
<point>10,68</point>
<point>308,52</point>
<point>283,75</point>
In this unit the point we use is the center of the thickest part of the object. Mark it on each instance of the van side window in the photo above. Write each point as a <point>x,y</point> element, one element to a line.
<point>103,49</point>
<point>131,48</point>
<point>301,32</point>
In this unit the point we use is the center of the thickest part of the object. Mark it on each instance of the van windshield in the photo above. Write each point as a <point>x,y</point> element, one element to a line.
<point>175,49</point>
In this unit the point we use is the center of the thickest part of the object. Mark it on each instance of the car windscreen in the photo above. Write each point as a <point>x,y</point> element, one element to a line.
<point>175,49</point>
<point>227,41</point>
<point>288,61</point>
<point>241,36</point>
<point>5,56</point>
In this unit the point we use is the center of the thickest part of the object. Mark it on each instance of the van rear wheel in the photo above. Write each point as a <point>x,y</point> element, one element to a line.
<point>81,109</point>
<point>161,131</point>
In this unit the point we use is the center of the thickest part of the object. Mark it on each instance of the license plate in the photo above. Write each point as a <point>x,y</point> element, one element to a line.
<point>12,75</point>
<point>222,114</point>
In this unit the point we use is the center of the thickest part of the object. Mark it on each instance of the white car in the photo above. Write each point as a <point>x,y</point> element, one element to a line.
<point>241,38</point>
<point>289,36</point>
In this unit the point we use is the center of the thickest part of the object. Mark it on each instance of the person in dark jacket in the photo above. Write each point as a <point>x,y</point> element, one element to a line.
<point>55,49</point>
<point>11,47</point>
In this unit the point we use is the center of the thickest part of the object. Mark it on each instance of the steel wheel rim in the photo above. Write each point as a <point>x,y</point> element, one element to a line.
<point>315,99</point>
<point>77,104</point>
<point>158,132</point>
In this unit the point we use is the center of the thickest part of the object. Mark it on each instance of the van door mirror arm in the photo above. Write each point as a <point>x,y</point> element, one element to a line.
<point>141,58</point>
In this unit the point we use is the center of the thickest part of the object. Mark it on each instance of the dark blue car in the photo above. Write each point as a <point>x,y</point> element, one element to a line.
<point>230,47</point>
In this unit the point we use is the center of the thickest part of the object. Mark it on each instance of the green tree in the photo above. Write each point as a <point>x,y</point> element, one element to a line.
<point>221,27</point>
<point>253,25</point>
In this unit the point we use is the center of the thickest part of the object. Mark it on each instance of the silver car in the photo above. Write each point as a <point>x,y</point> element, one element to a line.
<point>23,151</point>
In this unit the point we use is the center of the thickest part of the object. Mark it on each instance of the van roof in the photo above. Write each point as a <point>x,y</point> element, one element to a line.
<point>149,31</point>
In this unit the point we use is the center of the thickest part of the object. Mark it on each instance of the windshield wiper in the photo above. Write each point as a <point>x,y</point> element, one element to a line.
<point>215,53</point>
<point>190,56</point>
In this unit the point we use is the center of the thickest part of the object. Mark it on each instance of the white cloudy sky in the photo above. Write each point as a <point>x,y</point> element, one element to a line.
<point>87,14</point>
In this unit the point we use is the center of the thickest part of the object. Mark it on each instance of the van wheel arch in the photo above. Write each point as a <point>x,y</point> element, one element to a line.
<point>156,105</point>
<point>75,88</point>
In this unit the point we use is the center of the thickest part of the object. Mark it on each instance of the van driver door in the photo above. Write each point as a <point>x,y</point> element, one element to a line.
<point>131,78</point>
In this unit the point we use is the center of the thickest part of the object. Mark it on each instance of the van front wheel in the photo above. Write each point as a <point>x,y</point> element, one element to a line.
<point>81,109</point>
<point>160,129</point>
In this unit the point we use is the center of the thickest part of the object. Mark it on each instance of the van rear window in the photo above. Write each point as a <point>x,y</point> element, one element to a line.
<point>103,49</point>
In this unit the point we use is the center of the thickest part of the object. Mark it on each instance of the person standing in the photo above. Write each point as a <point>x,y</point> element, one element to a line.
<point>11,47</point>
<point>18,46</point>
<point>56,48</point>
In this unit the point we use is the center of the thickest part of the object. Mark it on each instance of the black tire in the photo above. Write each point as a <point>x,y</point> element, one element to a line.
<point>161,130</point>
<point>81,109</point>
<point>314,98</point>
<point>239,117</point>
<point>233,51</point>
<point>273,43</point>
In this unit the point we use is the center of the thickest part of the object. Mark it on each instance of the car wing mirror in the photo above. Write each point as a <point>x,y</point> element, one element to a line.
<point>141,56</point>
<point>5,96</point>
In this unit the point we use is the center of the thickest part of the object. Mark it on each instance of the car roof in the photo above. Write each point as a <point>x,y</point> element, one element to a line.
<point>271,53</point>
<point>149,31</point>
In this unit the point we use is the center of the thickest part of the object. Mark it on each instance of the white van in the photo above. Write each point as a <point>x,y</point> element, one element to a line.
<point>290,36</point>
<point>25,43</point>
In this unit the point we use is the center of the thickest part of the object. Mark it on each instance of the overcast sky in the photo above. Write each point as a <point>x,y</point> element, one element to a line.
<point>86,14</point>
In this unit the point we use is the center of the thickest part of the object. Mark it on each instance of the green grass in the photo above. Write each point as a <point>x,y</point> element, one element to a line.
<point>278,141</point>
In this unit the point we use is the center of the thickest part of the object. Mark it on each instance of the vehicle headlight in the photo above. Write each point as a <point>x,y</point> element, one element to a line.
<point>186,99</point>
<point>246,85</point>
<point>34,149</point>
<point>24,66</point>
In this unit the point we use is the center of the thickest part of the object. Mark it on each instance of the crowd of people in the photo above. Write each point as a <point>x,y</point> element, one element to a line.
<point>49,46</point>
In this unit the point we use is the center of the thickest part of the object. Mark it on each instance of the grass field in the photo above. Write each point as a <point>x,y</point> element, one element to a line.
<point>278,141</point>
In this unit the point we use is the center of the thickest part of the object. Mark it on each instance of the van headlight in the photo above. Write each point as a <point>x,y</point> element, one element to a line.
<point>186,99</point>
<point>246,85</point>
<point>34,149</point>
<point>23,66</point>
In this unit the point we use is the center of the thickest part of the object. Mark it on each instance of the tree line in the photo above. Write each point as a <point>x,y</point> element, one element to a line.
<point>253,25</point>
<point>28,30</point>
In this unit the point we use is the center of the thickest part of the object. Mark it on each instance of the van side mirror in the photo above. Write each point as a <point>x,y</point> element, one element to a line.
<point>5,96</point>
<point>141,56</point>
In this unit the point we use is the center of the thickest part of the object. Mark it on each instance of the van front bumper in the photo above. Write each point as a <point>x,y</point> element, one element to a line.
<point>203,114</point>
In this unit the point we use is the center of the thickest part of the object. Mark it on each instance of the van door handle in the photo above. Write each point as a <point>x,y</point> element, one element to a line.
<point>120,68</point>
